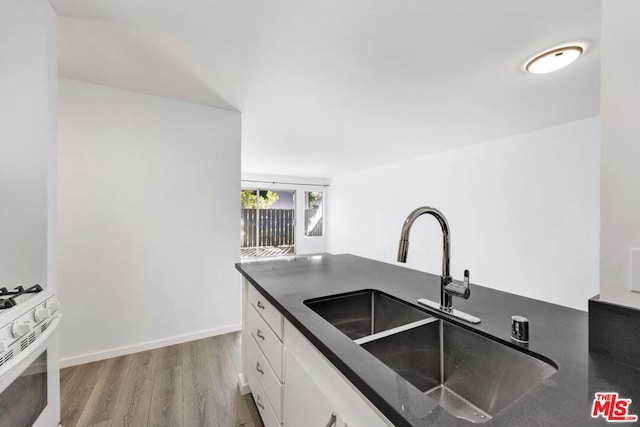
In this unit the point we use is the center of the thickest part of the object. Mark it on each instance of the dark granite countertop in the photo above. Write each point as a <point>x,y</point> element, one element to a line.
<point>557,333</point>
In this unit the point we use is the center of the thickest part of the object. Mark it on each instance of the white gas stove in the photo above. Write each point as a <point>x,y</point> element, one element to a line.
<point>29,371</point>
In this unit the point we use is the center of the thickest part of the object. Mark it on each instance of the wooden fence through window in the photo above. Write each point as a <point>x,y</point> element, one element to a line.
<point>276,227</point>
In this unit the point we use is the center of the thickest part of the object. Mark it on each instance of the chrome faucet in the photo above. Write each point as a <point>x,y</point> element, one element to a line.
<point>447,287</point>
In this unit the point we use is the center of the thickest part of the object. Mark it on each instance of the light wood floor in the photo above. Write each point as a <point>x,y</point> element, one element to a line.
<point>190,384</point>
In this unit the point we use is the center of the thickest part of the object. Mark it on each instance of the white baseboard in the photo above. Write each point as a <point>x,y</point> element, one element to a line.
<point>244,385</point>
<point>150,345</point>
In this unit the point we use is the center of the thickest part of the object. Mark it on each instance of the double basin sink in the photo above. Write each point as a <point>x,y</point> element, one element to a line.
<point>469,375</point>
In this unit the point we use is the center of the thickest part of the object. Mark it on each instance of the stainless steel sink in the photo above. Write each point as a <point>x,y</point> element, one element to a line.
<point>470,376</point>
<point>363,313</point>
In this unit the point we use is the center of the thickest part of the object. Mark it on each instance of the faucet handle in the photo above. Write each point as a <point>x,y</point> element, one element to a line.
<point>459,290</point>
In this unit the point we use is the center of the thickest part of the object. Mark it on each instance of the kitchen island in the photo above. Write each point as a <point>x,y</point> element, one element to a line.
<point>557,333</point>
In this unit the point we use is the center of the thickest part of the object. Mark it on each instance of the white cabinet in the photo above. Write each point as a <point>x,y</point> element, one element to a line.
<point>261,398</point>
<point>263,355</point>
<point>271,385</point>
<point>266,339</point>
<point>293,384</point>
<point>305,403</point>
<point>268,312</point>
<point>344,399</point>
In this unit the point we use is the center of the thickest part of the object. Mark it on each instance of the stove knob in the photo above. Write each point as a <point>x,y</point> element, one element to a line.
<point>41,314</point>
<point>3,346</point>
<point>53,306</point>
<point>19,329</point>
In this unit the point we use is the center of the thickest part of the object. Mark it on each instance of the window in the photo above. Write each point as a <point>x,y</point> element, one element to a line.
<point>267,223</point>
<point>313,213</point>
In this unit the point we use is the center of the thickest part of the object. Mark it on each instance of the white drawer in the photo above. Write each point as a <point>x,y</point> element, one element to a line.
<point>266,412</point>
<point>270,383</point>
<point>305,403</point>
<point>267,311</point>
<point>267,341</point>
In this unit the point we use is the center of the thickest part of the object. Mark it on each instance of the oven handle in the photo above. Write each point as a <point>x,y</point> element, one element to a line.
<point>36,346</point>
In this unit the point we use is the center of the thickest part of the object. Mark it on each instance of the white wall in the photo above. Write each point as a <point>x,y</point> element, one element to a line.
<point>620,108</point>
<point>52,175</point>
<point>523,212</point>
<point>148,220</point>
<point>28,78</point>
<point>304,245</point>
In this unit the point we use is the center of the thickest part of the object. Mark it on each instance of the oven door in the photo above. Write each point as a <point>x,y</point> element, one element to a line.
<point>30,383</point>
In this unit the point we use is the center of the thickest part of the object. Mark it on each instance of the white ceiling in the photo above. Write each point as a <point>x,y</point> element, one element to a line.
<point>326,87</point>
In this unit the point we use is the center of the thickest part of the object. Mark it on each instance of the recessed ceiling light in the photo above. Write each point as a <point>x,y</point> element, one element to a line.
<point>554,59</point>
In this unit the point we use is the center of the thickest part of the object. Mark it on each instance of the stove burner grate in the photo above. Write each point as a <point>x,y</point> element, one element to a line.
<point>9,296</point>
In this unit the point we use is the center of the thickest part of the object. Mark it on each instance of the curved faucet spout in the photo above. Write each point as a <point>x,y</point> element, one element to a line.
<point>448,288</point>
<point>403,248</point>
<point>446,300</point>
